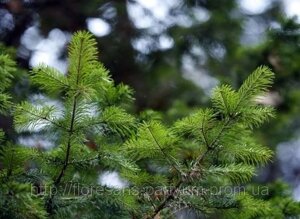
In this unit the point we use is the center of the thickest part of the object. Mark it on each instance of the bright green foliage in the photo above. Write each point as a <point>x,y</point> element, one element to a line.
<point>274,201</point>
<point>256,84</point>
<point>235,172</point>
<point>225,99</point>
<point>189,165</point>
<point>151,140</point>
<point>49,79</point>
<point>86,127</point>
<point>223,150</point>
<point>16,200</point>
<point>7,68</point>
<point>252,208</point>
<point>190,125</point>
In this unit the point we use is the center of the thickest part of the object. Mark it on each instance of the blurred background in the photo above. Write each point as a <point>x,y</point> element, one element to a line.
<point>172,53</point>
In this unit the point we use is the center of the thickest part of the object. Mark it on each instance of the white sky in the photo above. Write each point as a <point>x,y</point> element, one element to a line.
<point>291,7</point>
<point>112,180</point>
<point>254,6</point>
<point>98,26</point>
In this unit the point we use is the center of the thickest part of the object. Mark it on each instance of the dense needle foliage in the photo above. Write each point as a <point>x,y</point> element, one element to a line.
<point>196,164</point>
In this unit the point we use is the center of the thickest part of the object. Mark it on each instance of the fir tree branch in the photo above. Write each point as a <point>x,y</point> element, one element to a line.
<point>41,117</point>
<point>70,131</point>
<point>167,199</point>
<point>164,153</point>
<point>49,79</point>
<point>72,122</point>
<point>212,144</point>
<point>256,83</point>
<point>224,101</point>
<point>10,168</point>
<point>199,159</point>
<point>203,133</point>
<point>84,161</point>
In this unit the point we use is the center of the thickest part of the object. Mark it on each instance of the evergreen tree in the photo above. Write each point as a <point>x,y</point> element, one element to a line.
<point>188,165</point>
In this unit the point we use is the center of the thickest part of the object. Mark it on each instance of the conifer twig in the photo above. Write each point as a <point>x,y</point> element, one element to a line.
<point>70,131</point>
<point>43,118</point>
<point>198,160</point>
<point>164,153</point>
